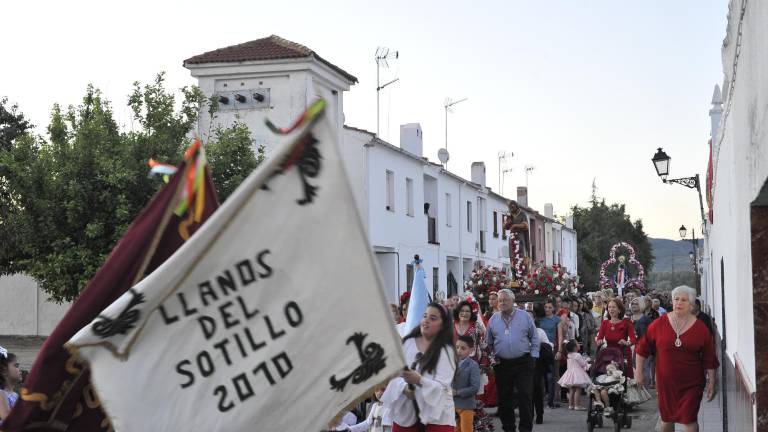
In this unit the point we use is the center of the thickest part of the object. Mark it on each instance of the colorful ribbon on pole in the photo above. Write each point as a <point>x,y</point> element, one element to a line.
<point>193,194</point>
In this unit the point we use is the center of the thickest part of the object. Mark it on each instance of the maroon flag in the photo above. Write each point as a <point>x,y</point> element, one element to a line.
<point>58,395</point>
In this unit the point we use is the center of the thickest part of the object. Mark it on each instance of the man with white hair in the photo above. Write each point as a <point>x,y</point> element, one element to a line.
<point>514,344</point>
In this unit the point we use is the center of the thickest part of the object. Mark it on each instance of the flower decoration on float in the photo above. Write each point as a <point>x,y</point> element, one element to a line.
<point>634,270</point>
<point>546,280</point>
<point>486,279</point>
<point>518,260</point>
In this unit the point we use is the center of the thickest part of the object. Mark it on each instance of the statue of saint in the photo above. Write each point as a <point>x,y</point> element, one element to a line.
<point>622,275</point>
<point>517,224</point>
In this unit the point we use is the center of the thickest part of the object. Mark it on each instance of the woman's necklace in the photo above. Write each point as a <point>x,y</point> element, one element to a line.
<point>613,324</point>
<point>678,330</point>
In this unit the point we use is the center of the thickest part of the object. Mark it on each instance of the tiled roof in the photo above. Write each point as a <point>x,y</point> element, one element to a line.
<point>269,48</point>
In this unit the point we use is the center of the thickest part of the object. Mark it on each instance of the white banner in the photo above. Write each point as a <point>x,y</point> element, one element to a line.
<point>271,318</point>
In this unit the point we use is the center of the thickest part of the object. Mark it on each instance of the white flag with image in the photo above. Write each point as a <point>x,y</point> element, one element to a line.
<point>271,318</point>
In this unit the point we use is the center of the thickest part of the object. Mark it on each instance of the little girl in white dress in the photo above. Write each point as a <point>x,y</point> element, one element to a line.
<point>575,377</point>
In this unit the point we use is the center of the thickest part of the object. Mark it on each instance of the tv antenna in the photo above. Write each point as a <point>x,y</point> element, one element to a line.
<point>448,104</point>
<point>503,178</point>
<point>528,170</point>
<point>503,155</point>
<point>382,55</point>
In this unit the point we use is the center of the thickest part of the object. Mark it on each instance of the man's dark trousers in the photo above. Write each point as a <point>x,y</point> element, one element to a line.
<point>515,376</point>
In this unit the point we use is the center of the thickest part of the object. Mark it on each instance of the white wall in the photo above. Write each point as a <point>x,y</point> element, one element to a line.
<point>741,168</point>
<point>25,310</point>
<point>569,240</point>
<point>292,84</point>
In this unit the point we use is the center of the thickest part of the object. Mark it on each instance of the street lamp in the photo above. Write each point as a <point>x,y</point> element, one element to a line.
<point>693,254</point>
<point>661,163</point>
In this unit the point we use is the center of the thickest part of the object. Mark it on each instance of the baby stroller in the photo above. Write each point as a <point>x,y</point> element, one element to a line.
<point>619,408</point>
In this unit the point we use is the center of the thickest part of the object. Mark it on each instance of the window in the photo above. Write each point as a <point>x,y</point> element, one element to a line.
<point>390,191</point>
<point>469,216</point>
<point>503,230</point>
<point>409,196</point>
<point>435,281</point>
<point>447,209</point>
<point>495,224</point>
<point>408,276</point>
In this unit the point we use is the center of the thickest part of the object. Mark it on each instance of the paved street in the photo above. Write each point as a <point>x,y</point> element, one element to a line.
<point>562,419</point>
<point>644,419</point>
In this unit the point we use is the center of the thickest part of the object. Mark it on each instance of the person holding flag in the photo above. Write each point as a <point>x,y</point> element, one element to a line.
<point>225,331</point>
<point>421,398</point>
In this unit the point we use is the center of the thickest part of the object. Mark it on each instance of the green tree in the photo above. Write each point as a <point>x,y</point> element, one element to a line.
<point>72,196</point>
<point>12,125</point>
<point>599,227</point>
<point>231,157</point>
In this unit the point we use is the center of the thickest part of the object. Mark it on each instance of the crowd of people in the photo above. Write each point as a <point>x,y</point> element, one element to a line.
<point>464,357</point>
<point>520,356</point>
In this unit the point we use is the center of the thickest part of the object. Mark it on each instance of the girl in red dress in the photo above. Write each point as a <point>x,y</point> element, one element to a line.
<point>618,332</point>
<point>685,349</point>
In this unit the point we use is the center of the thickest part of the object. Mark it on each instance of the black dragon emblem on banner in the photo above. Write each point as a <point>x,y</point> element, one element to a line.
<point>372,361</point>
<point>307,158</point>
<point>106,327</point>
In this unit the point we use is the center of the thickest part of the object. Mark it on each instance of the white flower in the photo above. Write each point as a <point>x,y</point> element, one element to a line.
<point>536,292</point>
<point>494,279</point>
<point>479,283</point>
<point>558,287</point>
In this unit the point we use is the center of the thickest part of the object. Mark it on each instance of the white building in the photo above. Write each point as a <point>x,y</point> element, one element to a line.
<point>408,204</point>
<point>735,254</point>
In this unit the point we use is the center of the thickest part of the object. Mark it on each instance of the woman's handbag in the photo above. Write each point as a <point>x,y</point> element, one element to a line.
<point>636,394</point>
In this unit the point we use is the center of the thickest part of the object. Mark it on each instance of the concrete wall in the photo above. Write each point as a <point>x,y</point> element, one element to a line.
<point>741,167</point>
<point>25,310</point>
<point>740,158</point>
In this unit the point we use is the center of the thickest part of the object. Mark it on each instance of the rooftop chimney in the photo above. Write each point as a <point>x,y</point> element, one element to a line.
<point>412,139</point>
<point>478,173</point>
<point>549,211</point>
<point>522,196</point>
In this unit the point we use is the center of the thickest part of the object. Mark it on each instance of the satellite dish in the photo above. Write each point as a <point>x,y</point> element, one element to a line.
<point>442,155</point>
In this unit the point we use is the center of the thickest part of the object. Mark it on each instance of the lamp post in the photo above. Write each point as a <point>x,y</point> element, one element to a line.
<point>693,255</point>
<point>661,163</point>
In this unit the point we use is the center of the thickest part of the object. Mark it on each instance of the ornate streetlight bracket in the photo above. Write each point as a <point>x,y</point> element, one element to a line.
<point>689,182</point>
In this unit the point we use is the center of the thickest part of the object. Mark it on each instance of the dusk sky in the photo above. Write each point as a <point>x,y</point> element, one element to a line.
<point>580,90</point>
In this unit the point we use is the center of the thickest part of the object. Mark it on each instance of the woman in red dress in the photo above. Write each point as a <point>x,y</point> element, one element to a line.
<point>618,332</point>
<point>685,349</point>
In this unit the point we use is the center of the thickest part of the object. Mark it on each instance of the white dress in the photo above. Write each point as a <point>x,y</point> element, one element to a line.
<point>434,396</point>
<point>376,421</point>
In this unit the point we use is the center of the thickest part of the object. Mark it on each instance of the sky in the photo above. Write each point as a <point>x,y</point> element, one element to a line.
<point>582,91</point>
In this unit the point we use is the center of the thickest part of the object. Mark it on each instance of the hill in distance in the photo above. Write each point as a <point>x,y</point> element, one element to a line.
<point>672,255</point>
